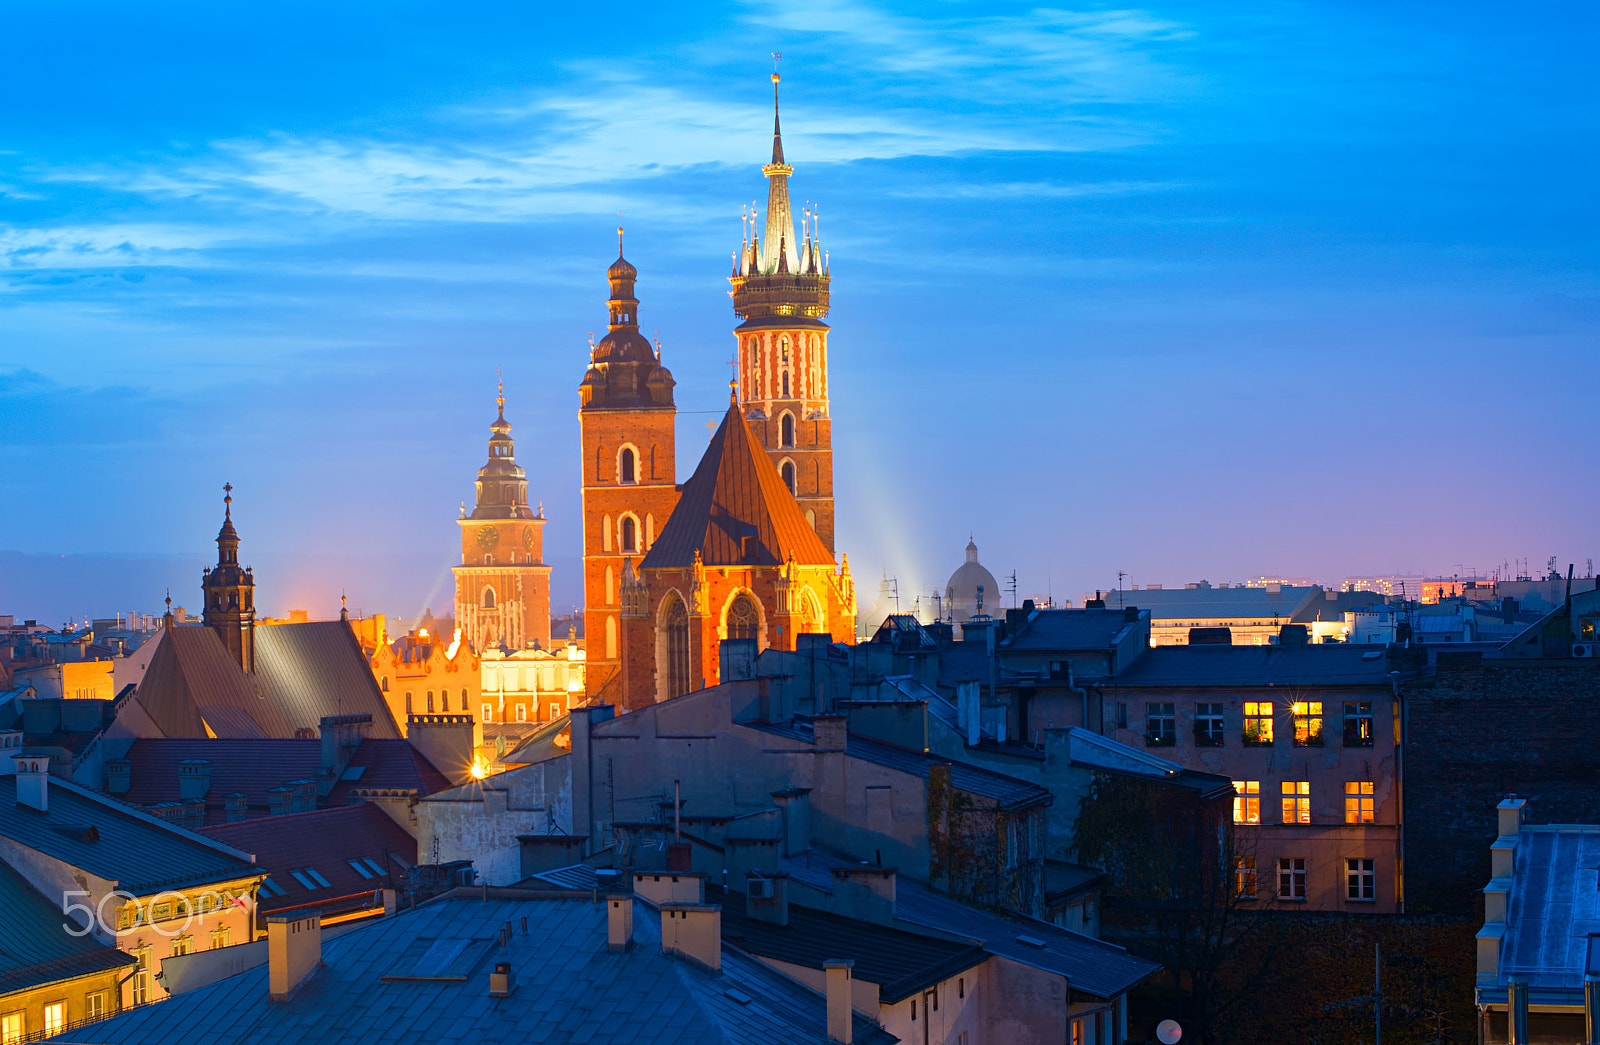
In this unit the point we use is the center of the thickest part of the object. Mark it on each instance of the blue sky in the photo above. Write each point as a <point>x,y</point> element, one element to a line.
<point>1185,290</point>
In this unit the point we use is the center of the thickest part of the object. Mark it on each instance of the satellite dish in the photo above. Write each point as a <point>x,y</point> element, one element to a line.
<point>1169,1032</point>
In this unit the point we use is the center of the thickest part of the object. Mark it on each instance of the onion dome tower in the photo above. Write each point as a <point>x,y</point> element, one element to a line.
<point>780,291</point>
<point>230,593</point>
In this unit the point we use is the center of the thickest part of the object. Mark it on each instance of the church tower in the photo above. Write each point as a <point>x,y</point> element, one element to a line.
<point>780,291</point>
<point>627,417</point>
<point>502,584</point>
<point>230,593</point>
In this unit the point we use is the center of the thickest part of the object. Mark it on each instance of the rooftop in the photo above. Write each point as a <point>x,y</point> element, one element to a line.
<point>1554,906</point>
<point>1213,603</point>
<point>50,953</point>
<point>567,987</point>
<point>1320,664</point>
<point>1051,630</point>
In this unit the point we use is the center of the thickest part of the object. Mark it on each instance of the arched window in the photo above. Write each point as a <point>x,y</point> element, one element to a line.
<point>788,430</point>
<point>611,582</point>
<point>630,534</point>
<point>811,517</point>
<point>605,533</point>
<point>649,531</point>
<point>626,469</point>
<point>408,702</point>
<point>488,598</point>
<point>785,349</point>
<point>464,699</point>
<point>786,384</point>
<point>383,683</point>
<point>488,712</point>
<point>788,475</point>
<point>611,638</point>
<point>444,701</point>
<point>430,701</point>
<point>744,619</point>
<point>675,632</point>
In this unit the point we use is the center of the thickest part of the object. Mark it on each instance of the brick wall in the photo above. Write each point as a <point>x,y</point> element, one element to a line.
<point>1479,730</point>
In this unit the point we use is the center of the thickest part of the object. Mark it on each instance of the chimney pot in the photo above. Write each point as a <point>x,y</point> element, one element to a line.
<point>33,781</point>
<point>500,980</point>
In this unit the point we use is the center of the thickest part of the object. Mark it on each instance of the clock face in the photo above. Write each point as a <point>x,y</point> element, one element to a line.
<point>488,537</point>
<point>527,537</point>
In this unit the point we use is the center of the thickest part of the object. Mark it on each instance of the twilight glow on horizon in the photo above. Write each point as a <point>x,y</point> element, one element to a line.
<point>1189,290</point>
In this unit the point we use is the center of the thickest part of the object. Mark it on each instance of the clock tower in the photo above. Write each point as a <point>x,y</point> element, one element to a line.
<point>502,584</point>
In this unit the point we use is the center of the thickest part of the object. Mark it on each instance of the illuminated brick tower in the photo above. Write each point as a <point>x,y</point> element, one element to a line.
<point>626,415</point>
<point>502,584</point>
<point>780,290</point>
<point>230,593</point>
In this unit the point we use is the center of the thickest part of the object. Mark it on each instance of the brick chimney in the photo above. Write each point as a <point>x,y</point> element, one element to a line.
<point>693,931</point>
<point>841,1023</point>
<point>294,951</point>
<point>619,921</point>
<point>33,781</point>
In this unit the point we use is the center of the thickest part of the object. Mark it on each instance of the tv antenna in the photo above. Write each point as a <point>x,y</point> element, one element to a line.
<point>1011,586</point>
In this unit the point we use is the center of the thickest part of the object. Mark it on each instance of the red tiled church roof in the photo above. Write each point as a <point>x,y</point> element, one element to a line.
<point>736,510</point>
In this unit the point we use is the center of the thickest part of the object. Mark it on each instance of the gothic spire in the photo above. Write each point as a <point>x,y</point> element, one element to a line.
<point>778,243</point>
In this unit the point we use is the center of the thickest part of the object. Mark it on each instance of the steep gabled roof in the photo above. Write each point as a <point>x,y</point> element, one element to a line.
<point>736,510</point>
<point>191,671</point>
<point>317,668</point>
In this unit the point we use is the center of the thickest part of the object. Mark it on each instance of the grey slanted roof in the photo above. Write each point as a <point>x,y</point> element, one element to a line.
<point>317,668</point>
<point>568,987</point>
<point>1212,603</point>
<point>1066,630</point>
<point>1320,664</point>
<point>137,851</point>
<point>38,949</point>
<point>1554,907</point>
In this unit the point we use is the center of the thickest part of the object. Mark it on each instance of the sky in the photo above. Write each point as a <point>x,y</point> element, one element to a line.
<point>1187,291</point>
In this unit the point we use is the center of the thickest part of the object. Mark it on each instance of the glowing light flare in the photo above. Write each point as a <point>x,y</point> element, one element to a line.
<point>480,769</point>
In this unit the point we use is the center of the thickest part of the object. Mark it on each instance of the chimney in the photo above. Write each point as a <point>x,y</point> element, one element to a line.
<point>841,1021</point>
<point>865,893</point>
<point>830,732</point>
<point>693,931</point>
<point>194,813</point>
<point>340,736</point>
<point>500,980</point>
<point>279,800</point>
<point>294,951</point>
<point>794,804</point>
<point>236,805</point>
<point>10,744</point>
<point>445,741</point>
<point>1517,1010</point>
<point>194,778</point>
<point>119,775</point>
<point>619,921</point>
<point>33,781</point>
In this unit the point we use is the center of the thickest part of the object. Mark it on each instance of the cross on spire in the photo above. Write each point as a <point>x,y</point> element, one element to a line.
<point>500,392</point>
<point>227,500</point>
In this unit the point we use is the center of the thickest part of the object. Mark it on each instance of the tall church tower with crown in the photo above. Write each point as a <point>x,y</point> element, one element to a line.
<point>627,417</point>
<point>780,291</point>
<point>502,584</point>
<point>230,593</point>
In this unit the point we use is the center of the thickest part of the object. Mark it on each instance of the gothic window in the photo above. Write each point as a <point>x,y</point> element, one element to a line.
<point>744,618</point>
<point>626,468</point>
<point>611,638</point>
<point>811,517</point>
<point>788,475</point>
<point>786,384</point>
<point>787,427</point>
<point>430,701</point>
<point>785,349</point>
<point>630,534</point>
<point>611,580</point>
<point>488,598</point>
<point>649,531</point>
<point>444,701</point>
<point>675,630</point>
<point>605,533</point>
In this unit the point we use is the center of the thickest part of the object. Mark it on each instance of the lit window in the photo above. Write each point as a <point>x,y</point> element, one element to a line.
<point>1358,724</point>
<point>1297,801</point>
<point>1307,723</point>
<point>488,712</point>
<point>1245,875</point>
<point>1361,879</point>
<point>1208,725</point>
<point>522,712</point>
<point>555,711</point>
<point>1258,722</point>
<point>11,1028</point>
<point>1247,801</point>
<point>1292,878</point>
<point>55,1018</point>
<point>1358,801</point>
<point>1160,725</point>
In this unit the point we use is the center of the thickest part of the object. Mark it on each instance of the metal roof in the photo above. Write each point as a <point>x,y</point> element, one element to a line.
<point>40,949</point>
<point>1320,664</point>
<point>316,669</point>
<point>1213,603</point>
<point>1051,630</point>
<point>1554,906</point>
<point>736,511</point>
<point>133,849</point>
<point>900,962</point>
<point>568,987</point>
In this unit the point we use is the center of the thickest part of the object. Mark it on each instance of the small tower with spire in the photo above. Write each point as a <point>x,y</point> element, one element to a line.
<point>502,583</point>
<point>230,593</point>
<point>780,291</point>
<point>628,426</point>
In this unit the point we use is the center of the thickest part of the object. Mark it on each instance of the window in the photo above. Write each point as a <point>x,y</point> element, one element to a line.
<point>383,683</point>
<point>222,936</point>
<point>1361,879</point>
<point>1078,1037</point>
<point>1160,725</point>
<point>1208,725</point>
<point>788,475</point>
<point>11,1027</point>
<point>408,702</point>
<point>675,628</point>
<point>488,712</point>
<point>1307,723</point>
<point>1292,878</point>
<point>430,701</point>
<point>1258,722</point>
<point>1358,801</point>
<point>183,945</point>
<point>1122,715</point>
<point>464,699</point>
<point>786,384</point>
<point>627,466</point>
<point>1297,801</point>
<point>961,987</point>
<point>744,619</point>
<point>444,701</point>
<point>359,868</point>
<point>1247,801</point>
<point>787,428</point>
<point>55,1018</point>
<point>1244,875</point>
<point>488,598</point>
<point>1358,724</point>
<point>522,712</point>
<point>94,1005</point>
<point>630,534</point>
<point>555,711</point>
<point>141,975</point>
